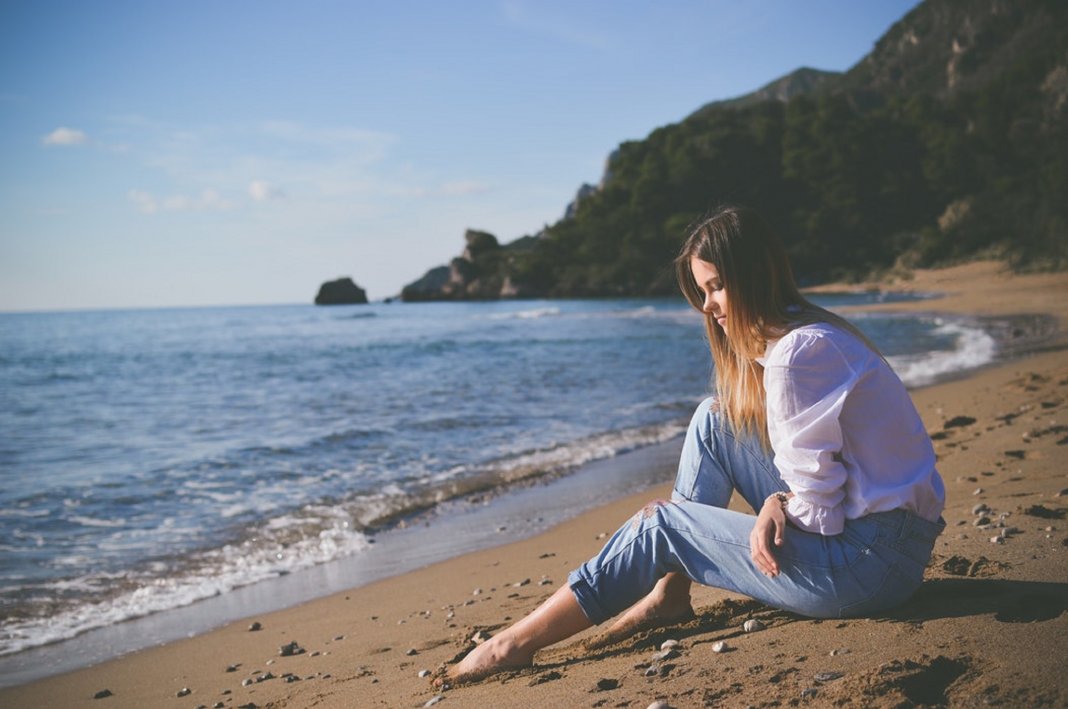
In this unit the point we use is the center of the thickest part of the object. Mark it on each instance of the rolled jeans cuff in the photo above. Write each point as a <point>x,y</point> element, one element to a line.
<point>586,598</point>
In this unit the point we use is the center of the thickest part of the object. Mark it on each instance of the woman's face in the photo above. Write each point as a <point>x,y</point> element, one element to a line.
<point>711,287</point>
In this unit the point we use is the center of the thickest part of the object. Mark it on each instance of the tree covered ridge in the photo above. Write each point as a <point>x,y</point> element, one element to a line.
<point>947,142</point>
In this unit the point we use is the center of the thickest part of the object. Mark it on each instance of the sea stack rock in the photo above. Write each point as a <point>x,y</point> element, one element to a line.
<point>341,292</point>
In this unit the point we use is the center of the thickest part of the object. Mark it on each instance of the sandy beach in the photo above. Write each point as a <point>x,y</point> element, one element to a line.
<point>987,627</point>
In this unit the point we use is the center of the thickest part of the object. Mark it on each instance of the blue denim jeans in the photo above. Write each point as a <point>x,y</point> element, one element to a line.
<point>876,563</point>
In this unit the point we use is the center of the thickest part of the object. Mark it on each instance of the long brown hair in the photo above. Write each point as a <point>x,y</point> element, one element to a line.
<point>763,304</point>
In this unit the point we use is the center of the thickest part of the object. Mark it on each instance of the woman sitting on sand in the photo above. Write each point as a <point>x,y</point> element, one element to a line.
<point>808,424</point>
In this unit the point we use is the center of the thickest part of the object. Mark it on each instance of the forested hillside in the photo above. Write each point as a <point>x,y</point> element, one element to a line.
<point>948,141</point>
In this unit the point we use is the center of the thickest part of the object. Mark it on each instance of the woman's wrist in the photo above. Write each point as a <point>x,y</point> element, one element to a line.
<point>779,498</point>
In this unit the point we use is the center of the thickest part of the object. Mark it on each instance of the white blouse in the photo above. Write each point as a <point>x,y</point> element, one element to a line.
<point>847,438</point>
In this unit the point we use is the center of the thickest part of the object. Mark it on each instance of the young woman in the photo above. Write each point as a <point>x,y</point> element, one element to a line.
<point>808,424</point>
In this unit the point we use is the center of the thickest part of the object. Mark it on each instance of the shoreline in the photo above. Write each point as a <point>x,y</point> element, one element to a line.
<point>144,675</point>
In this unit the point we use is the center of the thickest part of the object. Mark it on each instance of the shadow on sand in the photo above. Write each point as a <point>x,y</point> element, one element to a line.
<point>1009,601</point>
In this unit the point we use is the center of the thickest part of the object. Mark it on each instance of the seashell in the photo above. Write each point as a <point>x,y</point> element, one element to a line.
<point>424,673</point>
<point>434,700</point>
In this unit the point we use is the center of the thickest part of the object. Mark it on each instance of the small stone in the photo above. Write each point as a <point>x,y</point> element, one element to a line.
<point>103,694</point>
<point>218,705</point>
<point>665,654</point>
<point>254,627</point>
<point>659,704</point>
<point>480,637</point>
<point>184,692</point>
<point>231,668</point>
<point>477,592</point>
<point>545,582</point>
<point>434,700</point>
<point>246,682</point>
<point>270,662</point>
<point>720,646</point>
<point>809,693</point>
<point>519,584</point>
<point>668,644</point>
<point>980,521</point>
<point>997,539</point>
<point>424,673</point>
<point>290,649</point>
<point>978,491</point>
<point>291,678</point>
<point>411,651</point>
<point>980,508</point>
<point>827,676</point>
<point>752,625</point>
<point>652,670</point>
<point>606,684</point>
<point>839,651</point>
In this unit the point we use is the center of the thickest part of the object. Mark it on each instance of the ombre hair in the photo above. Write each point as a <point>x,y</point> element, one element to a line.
<point>763,303</point>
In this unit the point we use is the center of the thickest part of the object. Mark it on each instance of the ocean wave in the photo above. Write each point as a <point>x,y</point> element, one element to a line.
<point>283,545</point>
<point>974,347</point>
<point>530,314</point>
<point>314,534</point>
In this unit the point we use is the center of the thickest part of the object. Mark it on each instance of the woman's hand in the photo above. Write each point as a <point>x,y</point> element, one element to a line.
<point>768,531</point>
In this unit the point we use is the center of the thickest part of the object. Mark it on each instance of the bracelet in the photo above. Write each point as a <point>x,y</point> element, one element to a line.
<point>782,497</point>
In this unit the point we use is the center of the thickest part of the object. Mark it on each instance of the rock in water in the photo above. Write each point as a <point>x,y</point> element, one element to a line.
<point>341,292</point>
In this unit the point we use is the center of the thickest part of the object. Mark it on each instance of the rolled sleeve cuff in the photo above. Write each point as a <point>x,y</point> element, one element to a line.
<point>827,521</point>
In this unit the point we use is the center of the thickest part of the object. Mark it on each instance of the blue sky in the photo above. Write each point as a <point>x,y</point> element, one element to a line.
<point>211,153</point>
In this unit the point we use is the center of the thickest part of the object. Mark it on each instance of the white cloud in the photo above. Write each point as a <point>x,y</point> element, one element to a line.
<point>65,136</point>
<point>263,191</point>
<point>206,201</point>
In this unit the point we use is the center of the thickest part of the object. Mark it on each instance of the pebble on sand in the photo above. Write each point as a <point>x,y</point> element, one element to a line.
<point>720,646</point>
<point>254,627</point>
<point>290,649</point>
<point>752,625</point>
<point>669,643</point>
<point>424,673</point>
<point>184,692</point>
<point>434,700</point>
<point>103,694</point>
<point>659,704</point>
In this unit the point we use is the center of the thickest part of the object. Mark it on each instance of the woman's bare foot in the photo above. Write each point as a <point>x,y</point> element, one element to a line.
<point>667,603</point>
<point>558,617</point>
<point>495,655</point>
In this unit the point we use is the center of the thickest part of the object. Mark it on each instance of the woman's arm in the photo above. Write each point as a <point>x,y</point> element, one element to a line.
<point>807,382</point>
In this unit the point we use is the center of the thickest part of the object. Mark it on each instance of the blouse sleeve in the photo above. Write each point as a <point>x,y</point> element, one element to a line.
<point>807,382</point>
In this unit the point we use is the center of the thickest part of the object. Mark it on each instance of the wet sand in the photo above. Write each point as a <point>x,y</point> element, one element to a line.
<point>988,625</point>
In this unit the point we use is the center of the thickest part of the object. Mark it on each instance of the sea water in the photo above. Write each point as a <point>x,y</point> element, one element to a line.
<point>153,458</point>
